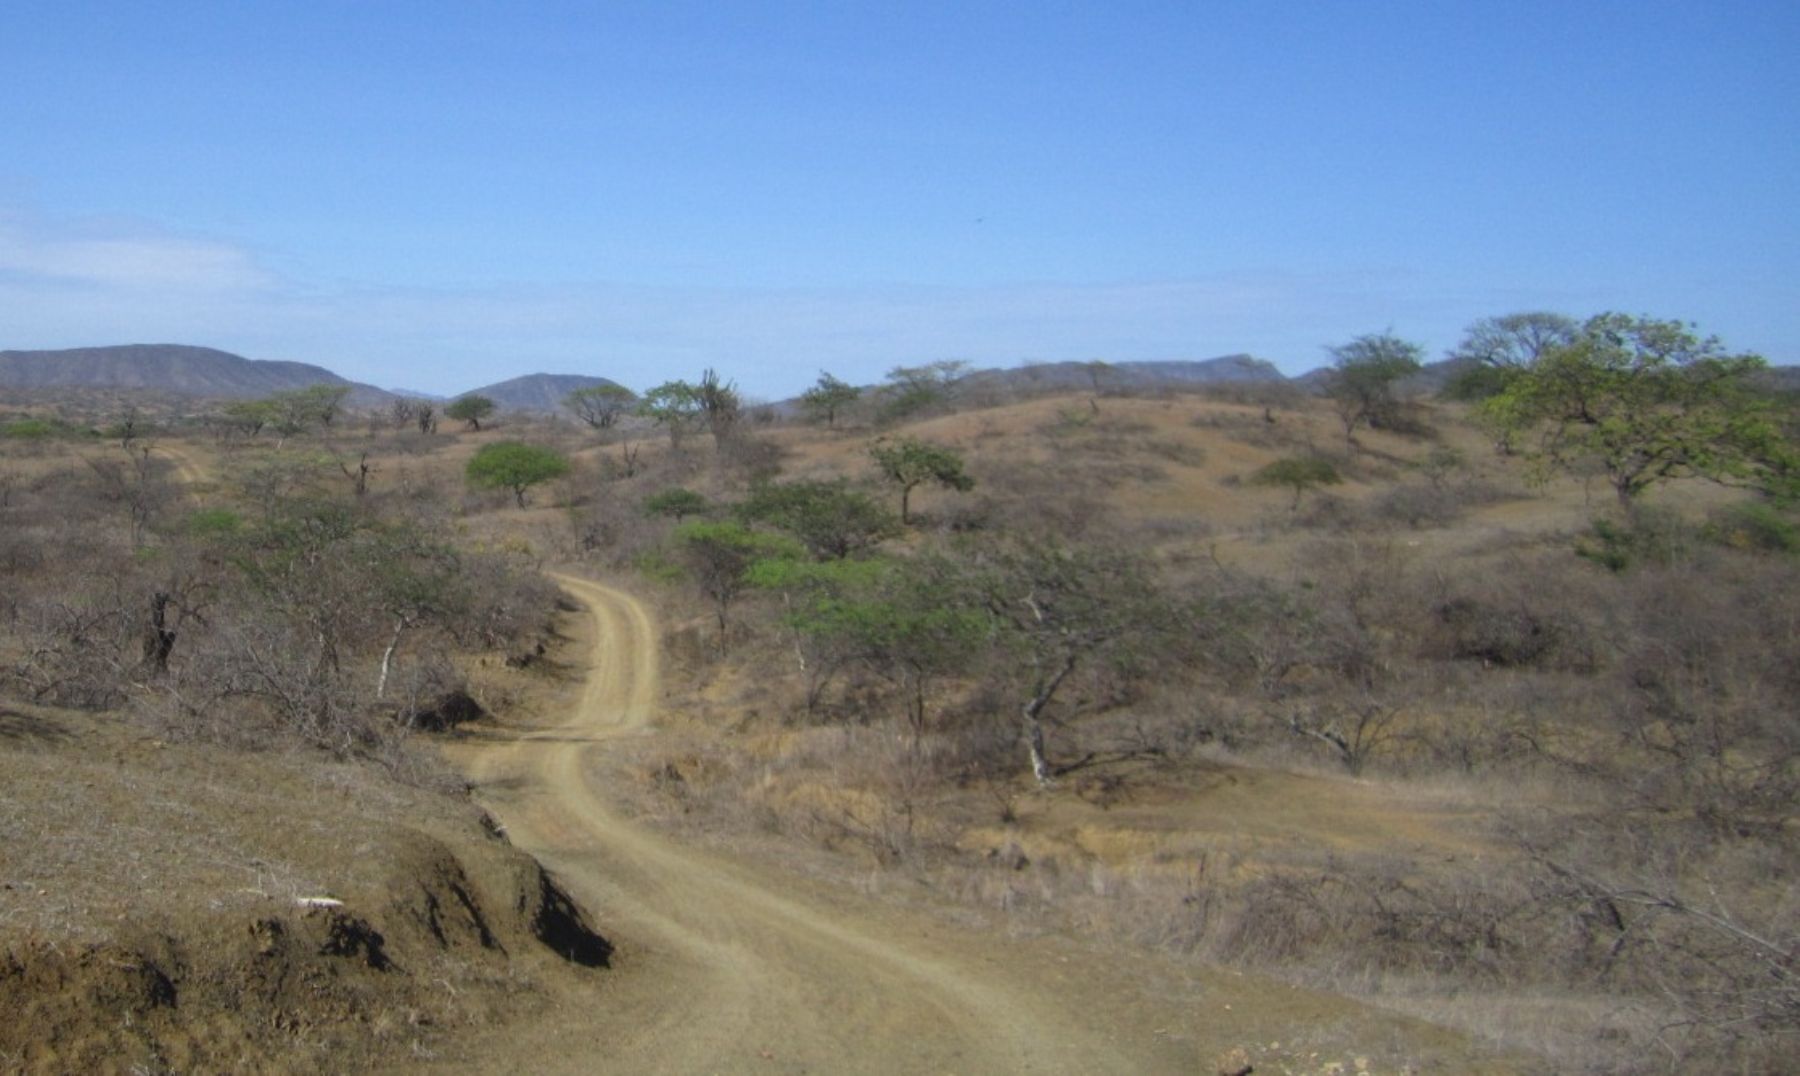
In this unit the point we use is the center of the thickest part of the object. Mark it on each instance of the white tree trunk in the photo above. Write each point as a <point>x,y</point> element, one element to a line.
<point>387,659</point>
<point>1034,743</point>
<point>1032,713</point>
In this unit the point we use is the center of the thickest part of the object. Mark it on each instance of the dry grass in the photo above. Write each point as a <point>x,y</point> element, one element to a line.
<point>1202,825</point>
<point>1198,822</point>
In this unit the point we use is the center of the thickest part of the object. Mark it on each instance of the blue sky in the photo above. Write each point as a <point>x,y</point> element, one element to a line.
<point>438,195</point>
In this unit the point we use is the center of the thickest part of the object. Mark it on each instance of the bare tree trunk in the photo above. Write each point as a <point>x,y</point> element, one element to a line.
<point>360,476</point>
<point>387,658</point>
<point>160,642</point>
<point>1032,715</point>
<point>1034,743</point>
<point>916,705</point>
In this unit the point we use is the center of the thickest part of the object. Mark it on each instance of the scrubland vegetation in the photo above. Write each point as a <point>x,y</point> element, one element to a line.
<point>1437,725</point>
<point>1480,706</point>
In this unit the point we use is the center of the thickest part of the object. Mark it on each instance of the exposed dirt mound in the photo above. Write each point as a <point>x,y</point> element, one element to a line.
<point>293,987</point>
<point>559,924</point>
<point>363,938</point>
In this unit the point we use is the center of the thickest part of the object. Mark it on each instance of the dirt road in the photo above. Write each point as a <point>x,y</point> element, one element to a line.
<point>730,965</point>
<point>188,471</point>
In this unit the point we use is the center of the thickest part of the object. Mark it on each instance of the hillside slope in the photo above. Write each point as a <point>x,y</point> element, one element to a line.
<point>178,369</point>
<point>540,393</point>
<point>738,963</point>
<point>1038,378</point>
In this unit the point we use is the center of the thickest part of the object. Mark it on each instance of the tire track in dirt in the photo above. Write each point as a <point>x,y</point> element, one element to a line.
<point>749,969</point>
<point>186,469</point>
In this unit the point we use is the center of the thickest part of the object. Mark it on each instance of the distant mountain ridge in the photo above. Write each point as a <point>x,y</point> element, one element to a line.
<point>1137,376</point>
<point>542,393</point>
<point>176,369</point>
<point>203,372</point>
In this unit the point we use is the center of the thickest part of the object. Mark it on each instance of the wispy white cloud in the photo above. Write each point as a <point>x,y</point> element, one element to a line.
<point>66,284</point>
<point>112,256</point>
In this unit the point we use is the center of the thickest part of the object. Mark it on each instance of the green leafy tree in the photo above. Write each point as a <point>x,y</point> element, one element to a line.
<point>909,463</point>
<point>1059,609</point>
<point>322,403</point>
<point>673,405</point>
<point>1298,473</point>
<point>289,412</point>
<point>600,405</point>
<point>825,401</point>
<point>1362,381</point>
<point>719,554</point>
<point>905,620</point>
<point>1646,401</point>
<point>720,406</point>
<point>515,466</point>
<point>269,480</point>
<point>249,416</point>
<point>676,502</point>
<point>809,589</point>
<point>912,389</point>
<point>470,409</point>
<point>832,519</point>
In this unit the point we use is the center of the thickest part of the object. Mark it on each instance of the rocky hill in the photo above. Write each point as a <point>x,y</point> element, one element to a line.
<point>537,392</point>
<point>1120,376</point>
<point>174,369</point>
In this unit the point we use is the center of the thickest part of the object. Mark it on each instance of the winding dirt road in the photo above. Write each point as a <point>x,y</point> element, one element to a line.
<point>730,965</point>
<point>189,472</point>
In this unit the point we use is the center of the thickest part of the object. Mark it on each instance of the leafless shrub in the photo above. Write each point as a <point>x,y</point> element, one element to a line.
<point>1508,631</point>
<point>1522,612</point>
<point>1249,428</point>
<point>74,651</point>
<point>256,680</point>
<point>1690,929</point>
<point>1479,725</point>
<point>1175,451</point>
<point>1380,915</point>
<point>1356,729</point>
<point>1270,394</point>
<point>1405,418</point>
<point>1417,506</point>
<point>1706,691</point>
<point>1028,499</point>
<point>745,460</point>
<point>871,789</point>
<point>509,604</point>
<point>1323,512</point>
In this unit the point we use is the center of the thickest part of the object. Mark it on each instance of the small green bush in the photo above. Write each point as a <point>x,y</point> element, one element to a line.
<point>658,566</point>
<point>676,502</point>
<point>1299,473</point>
<point>1756,527</point>
<point>515,466</point>
<point>214,523</point>
<point>1652,536</point>
<point>29,429</point>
